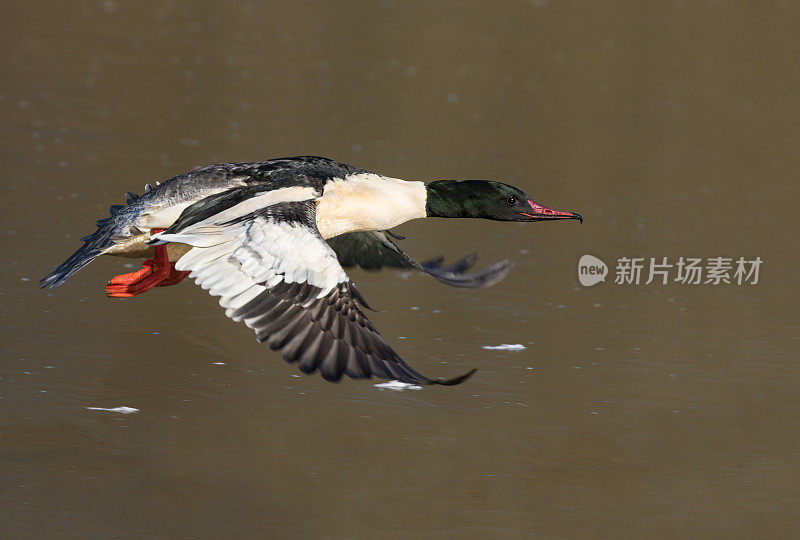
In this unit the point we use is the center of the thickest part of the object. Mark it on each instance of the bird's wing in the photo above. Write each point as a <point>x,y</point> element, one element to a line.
<point>273,270</point>
<point>372,250</point>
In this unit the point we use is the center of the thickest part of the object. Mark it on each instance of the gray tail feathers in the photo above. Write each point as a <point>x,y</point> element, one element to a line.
<point>94,244</point>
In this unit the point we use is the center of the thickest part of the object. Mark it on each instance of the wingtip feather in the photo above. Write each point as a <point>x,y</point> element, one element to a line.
<point>455,380</point>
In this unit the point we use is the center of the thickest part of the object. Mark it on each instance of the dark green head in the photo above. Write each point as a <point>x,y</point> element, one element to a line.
<point>488,200</point>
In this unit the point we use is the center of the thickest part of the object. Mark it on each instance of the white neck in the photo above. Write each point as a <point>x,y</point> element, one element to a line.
<point>368,202</point>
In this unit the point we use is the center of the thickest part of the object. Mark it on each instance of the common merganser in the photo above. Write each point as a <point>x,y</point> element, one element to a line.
<point>272,239</point>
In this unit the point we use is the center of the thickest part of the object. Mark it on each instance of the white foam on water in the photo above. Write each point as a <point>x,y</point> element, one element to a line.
<point>121,410</point>
<point>505,347</point>
<point>397,385</point>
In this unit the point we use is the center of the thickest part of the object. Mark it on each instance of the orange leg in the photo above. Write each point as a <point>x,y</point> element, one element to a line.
<point>158,272</point>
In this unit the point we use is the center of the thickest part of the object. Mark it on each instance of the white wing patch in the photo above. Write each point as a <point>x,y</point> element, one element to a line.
<point>268,198</point>
<point>240,261</point>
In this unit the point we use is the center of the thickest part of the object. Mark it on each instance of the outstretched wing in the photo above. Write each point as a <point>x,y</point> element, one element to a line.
<point>273,270</point>
<point>372,250</point>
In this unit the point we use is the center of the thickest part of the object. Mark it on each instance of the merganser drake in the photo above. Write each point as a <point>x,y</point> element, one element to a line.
<point>272,239</point>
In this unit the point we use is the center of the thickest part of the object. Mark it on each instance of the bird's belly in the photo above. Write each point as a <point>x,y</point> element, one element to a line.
<point>135,247</point>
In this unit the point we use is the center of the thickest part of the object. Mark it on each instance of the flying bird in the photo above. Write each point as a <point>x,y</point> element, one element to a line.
<point>272,239</point>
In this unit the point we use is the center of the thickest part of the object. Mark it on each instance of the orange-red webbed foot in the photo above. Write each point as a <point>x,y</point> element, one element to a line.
<point>154,272</point>
<point>133,277</point>
<point>127,285</point>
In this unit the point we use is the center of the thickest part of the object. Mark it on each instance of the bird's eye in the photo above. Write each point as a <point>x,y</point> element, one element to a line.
<point>511,201</point>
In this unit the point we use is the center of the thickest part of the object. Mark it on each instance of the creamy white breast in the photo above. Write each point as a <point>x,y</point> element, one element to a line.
<point>368,202</point>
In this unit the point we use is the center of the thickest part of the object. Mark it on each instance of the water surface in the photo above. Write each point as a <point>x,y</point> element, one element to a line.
<point>632,411</point>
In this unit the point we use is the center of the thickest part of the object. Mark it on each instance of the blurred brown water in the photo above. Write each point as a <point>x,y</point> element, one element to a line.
<point>634,411</point>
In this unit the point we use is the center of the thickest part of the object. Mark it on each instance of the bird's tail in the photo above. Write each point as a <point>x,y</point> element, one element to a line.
<point>114,226</point>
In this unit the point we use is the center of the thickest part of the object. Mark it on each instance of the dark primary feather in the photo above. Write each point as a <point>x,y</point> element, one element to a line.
<point>328,334</point>
<point>372,250</point>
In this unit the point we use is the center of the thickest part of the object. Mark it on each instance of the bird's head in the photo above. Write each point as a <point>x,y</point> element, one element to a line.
<point>488,200</point>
